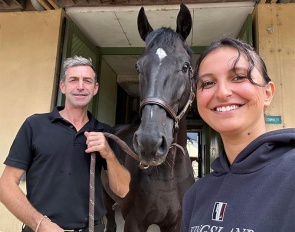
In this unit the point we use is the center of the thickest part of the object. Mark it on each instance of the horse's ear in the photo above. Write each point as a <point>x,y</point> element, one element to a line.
<point>144,28</point>
<point>184,21</point>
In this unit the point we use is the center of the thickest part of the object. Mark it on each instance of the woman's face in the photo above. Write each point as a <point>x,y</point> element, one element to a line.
<point>226,99</point>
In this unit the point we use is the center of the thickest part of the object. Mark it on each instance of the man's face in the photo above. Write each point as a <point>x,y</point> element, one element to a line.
<point>79,86</point>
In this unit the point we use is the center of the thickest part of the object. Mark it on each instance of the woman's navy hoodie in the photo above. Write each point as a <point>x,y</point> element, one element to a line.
<point>254,194</point>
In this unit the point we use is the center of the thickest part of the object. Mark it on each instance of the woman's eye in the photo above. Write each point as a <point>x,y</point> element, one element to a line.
<point>240,78</point>
<point>207,84</point>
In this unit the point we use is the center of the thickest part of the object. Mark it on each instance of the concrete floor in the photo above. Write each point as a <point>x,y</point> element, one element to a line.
<point>120,224</point>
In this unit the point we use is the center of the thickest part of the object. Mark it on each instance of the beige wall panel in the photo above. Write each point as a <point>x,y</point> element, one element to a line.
<point>275,41</point>
<point>29,48</point>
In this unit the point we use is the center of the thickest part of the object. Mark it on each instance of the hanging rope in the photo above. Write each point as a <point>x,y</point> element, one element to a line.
<point>92,192</point>
<point>126,149</point>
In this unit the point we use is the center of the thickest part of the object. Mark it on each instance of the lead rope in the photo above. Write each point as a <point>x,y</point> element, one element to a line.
<point>92,192</point>
<point>125,148</point>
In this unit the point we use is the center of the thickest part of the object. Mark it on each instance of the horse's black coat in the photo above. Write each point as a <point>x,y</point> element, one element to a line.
<point>155,195</point>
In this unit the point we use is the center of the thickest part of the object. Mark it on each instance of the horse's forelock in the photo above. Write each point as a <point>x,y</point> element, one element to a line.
<point>166,38</point>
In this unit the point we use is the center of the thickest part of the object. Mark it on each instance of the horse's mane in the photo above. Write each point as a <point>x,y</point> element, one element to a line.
<point>165,37</point>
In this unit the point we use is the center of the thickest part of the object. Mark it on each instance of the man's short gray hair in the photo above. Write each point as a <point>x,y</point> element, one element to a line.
<point>77,61</point>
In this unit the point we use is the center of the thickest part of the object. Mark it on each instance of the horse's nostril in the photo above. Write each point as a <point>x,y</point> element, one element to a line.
<point>135,140</point>
<point>163,146</point>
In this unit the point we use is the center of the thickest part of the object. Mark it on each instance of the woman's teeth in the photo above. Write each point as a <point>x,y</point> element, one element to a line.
<point>226,108</point>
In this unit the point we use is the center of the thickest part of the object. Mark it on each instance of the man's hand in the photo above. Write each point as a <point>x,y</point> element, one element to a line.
<point>96,141</point>
<point>118,175</point>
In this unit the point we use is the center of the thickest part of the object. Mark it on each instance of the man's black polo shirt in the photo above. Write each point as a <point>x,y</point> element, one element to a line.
<point>57,168</point>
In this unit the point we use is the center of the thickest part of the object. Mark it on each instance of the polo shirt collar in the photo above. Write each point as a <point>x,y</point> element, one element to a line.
<point>54,116</point>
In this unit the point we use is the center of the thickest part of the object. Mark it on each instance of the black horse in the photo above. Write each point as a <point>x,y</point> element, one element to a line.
<point>167,89</point>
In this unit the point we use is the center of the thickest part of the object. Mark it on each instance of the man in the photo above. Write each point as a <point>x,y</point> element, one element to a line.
<point>54,151</point>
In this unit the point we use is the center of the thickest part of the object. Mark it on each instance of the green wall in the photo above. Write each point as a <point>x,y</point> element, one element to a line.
<point>107,95</point>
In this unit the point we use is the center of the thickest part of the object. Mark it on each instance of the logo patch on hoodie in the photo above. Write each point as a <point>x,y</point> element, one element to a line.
<point>218,211</point>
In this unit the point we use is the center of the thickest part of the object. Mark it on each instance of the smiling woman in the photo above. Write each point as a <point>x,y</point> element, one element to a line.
<point>227,100</point>
<point>255,167</point>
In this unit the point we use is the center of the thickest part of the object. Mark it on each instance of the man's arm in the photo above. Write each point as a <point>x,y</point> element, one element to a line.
<point>17,203</point>
<point>118,175</point>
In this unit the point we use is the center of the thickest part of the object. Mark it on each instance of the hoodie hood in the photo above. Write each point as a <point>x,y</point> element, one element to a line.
<point>258,154</point>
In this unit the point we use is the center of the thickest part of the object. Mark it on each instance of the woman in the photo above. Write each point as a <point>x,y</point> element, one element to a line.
<point>252,185</point>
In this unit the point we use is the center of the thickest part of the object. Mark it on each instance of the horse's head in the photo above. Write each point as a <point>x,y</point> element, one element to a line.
<point>166,86</point>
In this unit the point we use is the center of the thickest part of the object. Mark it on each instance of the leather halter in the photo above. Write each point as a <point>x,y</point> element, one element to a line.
<point>176,117</point>
<point>160,102</point>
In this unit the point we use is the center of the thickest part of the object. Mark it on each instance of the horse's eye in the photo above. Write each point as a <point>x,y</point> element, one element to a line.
<point>137,68</point>
<point>185,67</point>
